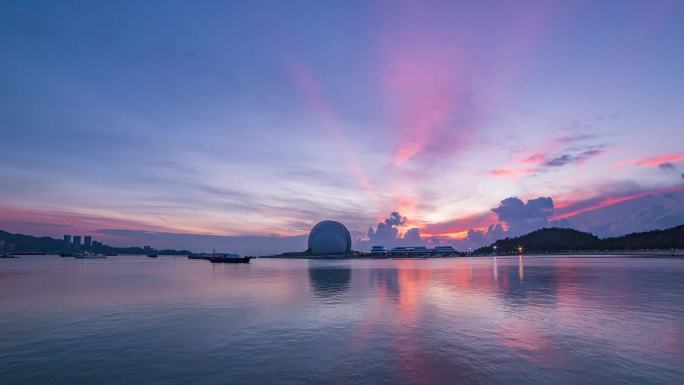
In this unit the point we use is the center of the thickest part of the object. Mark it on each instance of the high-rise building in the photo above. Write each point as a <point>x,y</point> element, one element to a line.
<point>87,241</point>
<point>2,245</point>
<point>77,240</point>
<point>67,239</point>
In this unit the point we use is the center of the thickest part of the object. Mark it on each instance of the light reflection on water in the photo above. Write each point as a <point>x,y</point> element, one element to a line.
<point>497,320</point>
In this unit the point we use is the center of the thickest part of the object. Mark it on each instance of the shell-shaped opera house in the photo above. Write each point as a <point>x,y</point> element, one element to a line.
<point>329,237</point>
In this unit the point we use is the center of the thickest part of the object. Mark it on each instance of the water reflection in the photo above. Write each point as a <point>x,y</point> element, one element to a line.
<point>523,320</point>
<point>327,280</point>
<point>386,279</point>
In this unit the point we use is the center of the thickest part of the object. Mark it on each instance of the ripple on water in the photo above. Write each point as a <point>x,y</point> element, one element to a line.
<point>464,320</point>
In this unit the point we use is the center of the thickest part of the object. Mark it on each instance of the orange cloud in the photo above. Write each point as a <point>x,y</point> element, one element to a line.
<point>458,228</point>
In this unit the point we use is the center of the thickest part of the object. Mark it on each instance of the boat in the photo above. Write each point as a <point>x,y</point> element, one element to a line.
<point>227,258</point>
<point>8,256</point>
<point>152,255</point>
<point>66,254</point>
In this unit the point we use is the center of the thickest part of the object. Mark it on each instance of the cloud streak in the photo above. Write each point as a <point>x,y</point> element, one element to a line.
<point>545,160</point>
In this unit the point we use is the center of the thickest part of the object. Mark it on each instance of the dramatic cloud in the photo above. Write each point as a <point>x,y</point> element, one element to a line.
<point>623,214</point>
<point>387,233</point>
<point>478,238</point>
<point>521,217</point>
<point>604,215</point>
<point>395,219</point>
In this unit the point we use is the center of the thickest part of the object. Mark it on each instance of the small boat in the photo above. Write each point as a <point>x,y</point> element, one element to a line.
<point>229,258</point>
<point>4,255</point>
<point>66,254</point>
<point>152,255</point>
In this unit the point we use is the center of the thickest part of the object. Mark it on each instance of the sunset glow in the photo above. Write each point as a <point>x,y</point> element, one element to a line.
<point>271,119</point>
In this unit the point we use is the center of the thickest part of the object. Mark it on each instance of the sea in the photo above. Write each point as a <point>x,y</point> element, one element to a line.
<point>465,320</point>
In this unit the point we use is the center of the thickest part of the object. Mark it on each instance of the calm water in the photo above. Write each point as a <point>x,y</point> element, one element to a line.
<point>529,320</point>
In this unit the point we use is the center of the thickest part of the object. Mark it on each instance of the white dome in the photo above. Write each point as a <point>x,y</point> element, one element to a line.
<point>329,237</point>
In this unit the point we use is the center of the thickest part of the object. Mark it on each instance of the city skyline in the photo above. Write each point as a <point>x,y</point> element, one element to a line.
<point>469,121</point>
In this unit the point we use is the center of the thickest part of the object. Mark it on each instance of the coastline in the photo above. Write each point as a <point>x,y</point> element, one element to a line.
<point>678,253</point>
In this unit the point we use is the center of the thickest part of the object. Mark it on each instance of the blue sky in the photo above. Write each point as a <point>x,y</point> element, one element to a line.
<point>262,118</point>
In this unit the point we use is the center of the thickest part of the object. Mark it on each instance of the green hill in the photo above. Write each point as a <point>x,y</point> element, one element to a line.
<point>559,240</point>
<point>656,239</point>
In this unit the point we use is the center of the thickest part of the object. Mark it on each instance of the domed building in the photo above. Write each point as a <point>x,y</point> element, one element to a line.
<point>329,237</point>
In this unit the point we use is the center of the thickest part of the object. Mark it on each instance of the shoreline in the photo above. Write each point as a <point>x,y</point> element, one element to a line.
<point>678,253</point>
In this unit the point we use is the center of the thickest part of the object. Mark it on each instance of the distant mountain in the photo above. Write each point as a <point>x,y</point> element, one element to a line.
<point>656,239</point>
<point>560,239</point>
<point>24,243</point>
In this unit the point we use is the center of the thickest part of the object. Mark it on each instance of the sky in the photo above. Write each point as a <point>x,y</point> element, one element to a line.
<point>239,125</point>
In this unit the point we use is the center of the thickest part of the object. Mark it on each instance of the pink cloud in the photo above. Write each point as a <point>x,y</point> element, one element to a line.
<point>568,209</point>
<point>511,172</point>
<point>651,162</point>
<point>654,162</point>
<point>310,89</point>
<point>426,74</point>
<point>56,223</point>
<point>459,226</point>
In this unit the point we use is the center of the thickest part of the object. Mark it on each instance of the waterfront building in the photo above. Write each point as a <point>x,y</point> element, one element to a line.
<point>77,240</point>
<point>87,241</point>
<point>329,237</point>
<point>410,250</point>
<point>444,250</point>
<point>67,239</point>
<point>2,245</point>
<point>378,250</point>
